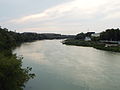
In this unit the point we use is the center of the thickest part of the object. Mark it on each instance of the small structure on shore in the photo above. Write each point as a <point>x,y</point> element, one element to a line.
<point>87,39</point>
<point>111,45</point>
<point>110,42</point>
<point>96,35</point>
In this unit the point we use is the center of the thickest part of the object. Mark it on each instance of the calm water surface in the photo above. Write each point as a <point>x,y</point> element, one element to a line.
<point>61,67</point>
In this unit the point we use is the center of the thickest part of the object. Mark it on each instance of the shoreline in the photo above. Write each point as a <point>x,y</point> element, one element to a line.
<point>96,45</point>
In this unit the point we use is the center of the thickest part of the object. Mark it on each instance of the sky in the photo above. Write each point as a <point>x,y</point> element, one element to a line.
<point>59,16</point>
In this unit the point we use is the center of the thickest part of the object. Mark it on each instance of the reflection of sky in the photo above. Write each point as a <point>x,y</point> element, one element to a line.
<point>60,16</point>
<point>32,54</point>
<point>80,66</point>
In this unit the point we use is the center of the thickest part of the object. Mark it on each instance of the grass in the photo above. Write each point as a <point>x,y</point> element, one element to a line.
<point>93,44</point>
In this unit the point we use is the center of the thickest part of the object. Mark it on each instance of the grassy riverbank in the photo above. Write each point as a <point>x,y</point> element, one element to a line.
<point>94,44</point>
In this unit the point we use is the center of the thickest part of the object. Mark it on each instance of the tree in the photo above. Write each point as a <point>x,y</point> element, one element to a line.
<point>110,34</point>
<point>80,36</point>
<point>12,75</point>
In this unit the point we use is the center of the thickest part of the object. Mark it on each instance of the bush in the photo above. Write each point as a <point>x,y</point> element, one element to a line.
<point>12,76</point>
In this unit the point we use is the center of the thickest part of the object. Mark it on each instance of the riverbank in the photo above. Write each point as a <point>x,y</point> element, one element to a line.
<point>94,44</point>
<point>61,67</point>
<point>12,75</point>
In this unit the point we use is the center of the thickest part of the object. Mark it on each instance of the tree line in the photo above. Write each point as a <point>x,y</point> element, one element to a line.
<point>12,75</point>
<point>9,39</point>
<point>109,34</point>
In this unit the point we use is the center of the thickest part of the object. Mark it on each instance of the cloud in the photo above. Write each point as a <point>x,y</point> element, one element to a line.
<point>81,9</point>
<point>111,10</point>
<point>76,15</point>
<point>116,15</point>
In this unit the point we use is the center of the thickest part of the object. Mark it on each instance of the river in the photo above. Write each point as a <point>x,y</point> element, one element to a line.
<point>61,67</point>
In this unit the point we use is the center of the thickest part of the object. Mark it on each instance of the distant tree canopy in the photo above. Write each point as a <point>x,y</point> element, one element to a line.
<point>9,39</point>
<point>88,34</point>
<point>12,75</point>
<point>81,36</point>
<point>110,34</point>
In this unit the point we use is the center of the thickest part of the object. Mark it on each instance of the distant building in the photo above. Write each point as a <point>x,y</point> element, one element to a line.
<point>88,34</point>
<point>110,42</point>
<point>96,35</point>
<point>111,45</point>
<point>87,39</point>
<point>119,42</point>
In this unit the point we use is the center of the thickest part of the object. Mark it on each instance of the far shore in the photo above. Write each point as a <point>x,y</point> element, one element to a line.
<point>94,44</point>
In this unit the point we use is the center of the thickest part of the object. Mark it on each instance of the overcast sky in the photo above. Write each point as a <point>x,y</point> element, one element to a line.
<point>60,16</point>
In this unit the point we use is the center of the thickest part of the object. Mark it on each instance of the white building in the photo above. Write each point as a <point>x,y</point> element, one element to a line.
<point>111,45</point>
<point>96,35</point>
<point>87,39</point>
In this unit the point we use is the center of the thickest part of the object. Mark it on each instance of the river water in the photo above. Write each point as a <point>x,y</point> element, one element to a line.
<point>61,67</point>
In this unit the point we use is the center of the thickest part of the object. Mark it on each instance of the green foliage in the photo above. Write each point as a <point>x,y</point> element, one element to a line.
<point>80,36</point>
<point>12,75</point>
<point>10,39</point>
<point>94,44</point>
<point>110,34</point>
<point>80,43</point>
<point>95,38</point>
<point>112,48</point>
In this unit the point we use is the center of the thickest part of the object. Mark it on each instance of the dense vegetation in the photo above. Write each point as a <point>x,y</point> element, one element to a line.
<point>95,44</point>
<point>81,36</point>
<point>78,42</point>
<point>8,39</point>
<point>109,35</point>
<point>12,75</point>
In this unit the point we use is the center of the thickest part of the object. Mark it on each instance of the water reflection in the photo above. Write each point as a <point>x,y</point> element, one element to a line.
<point>61,67</point>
